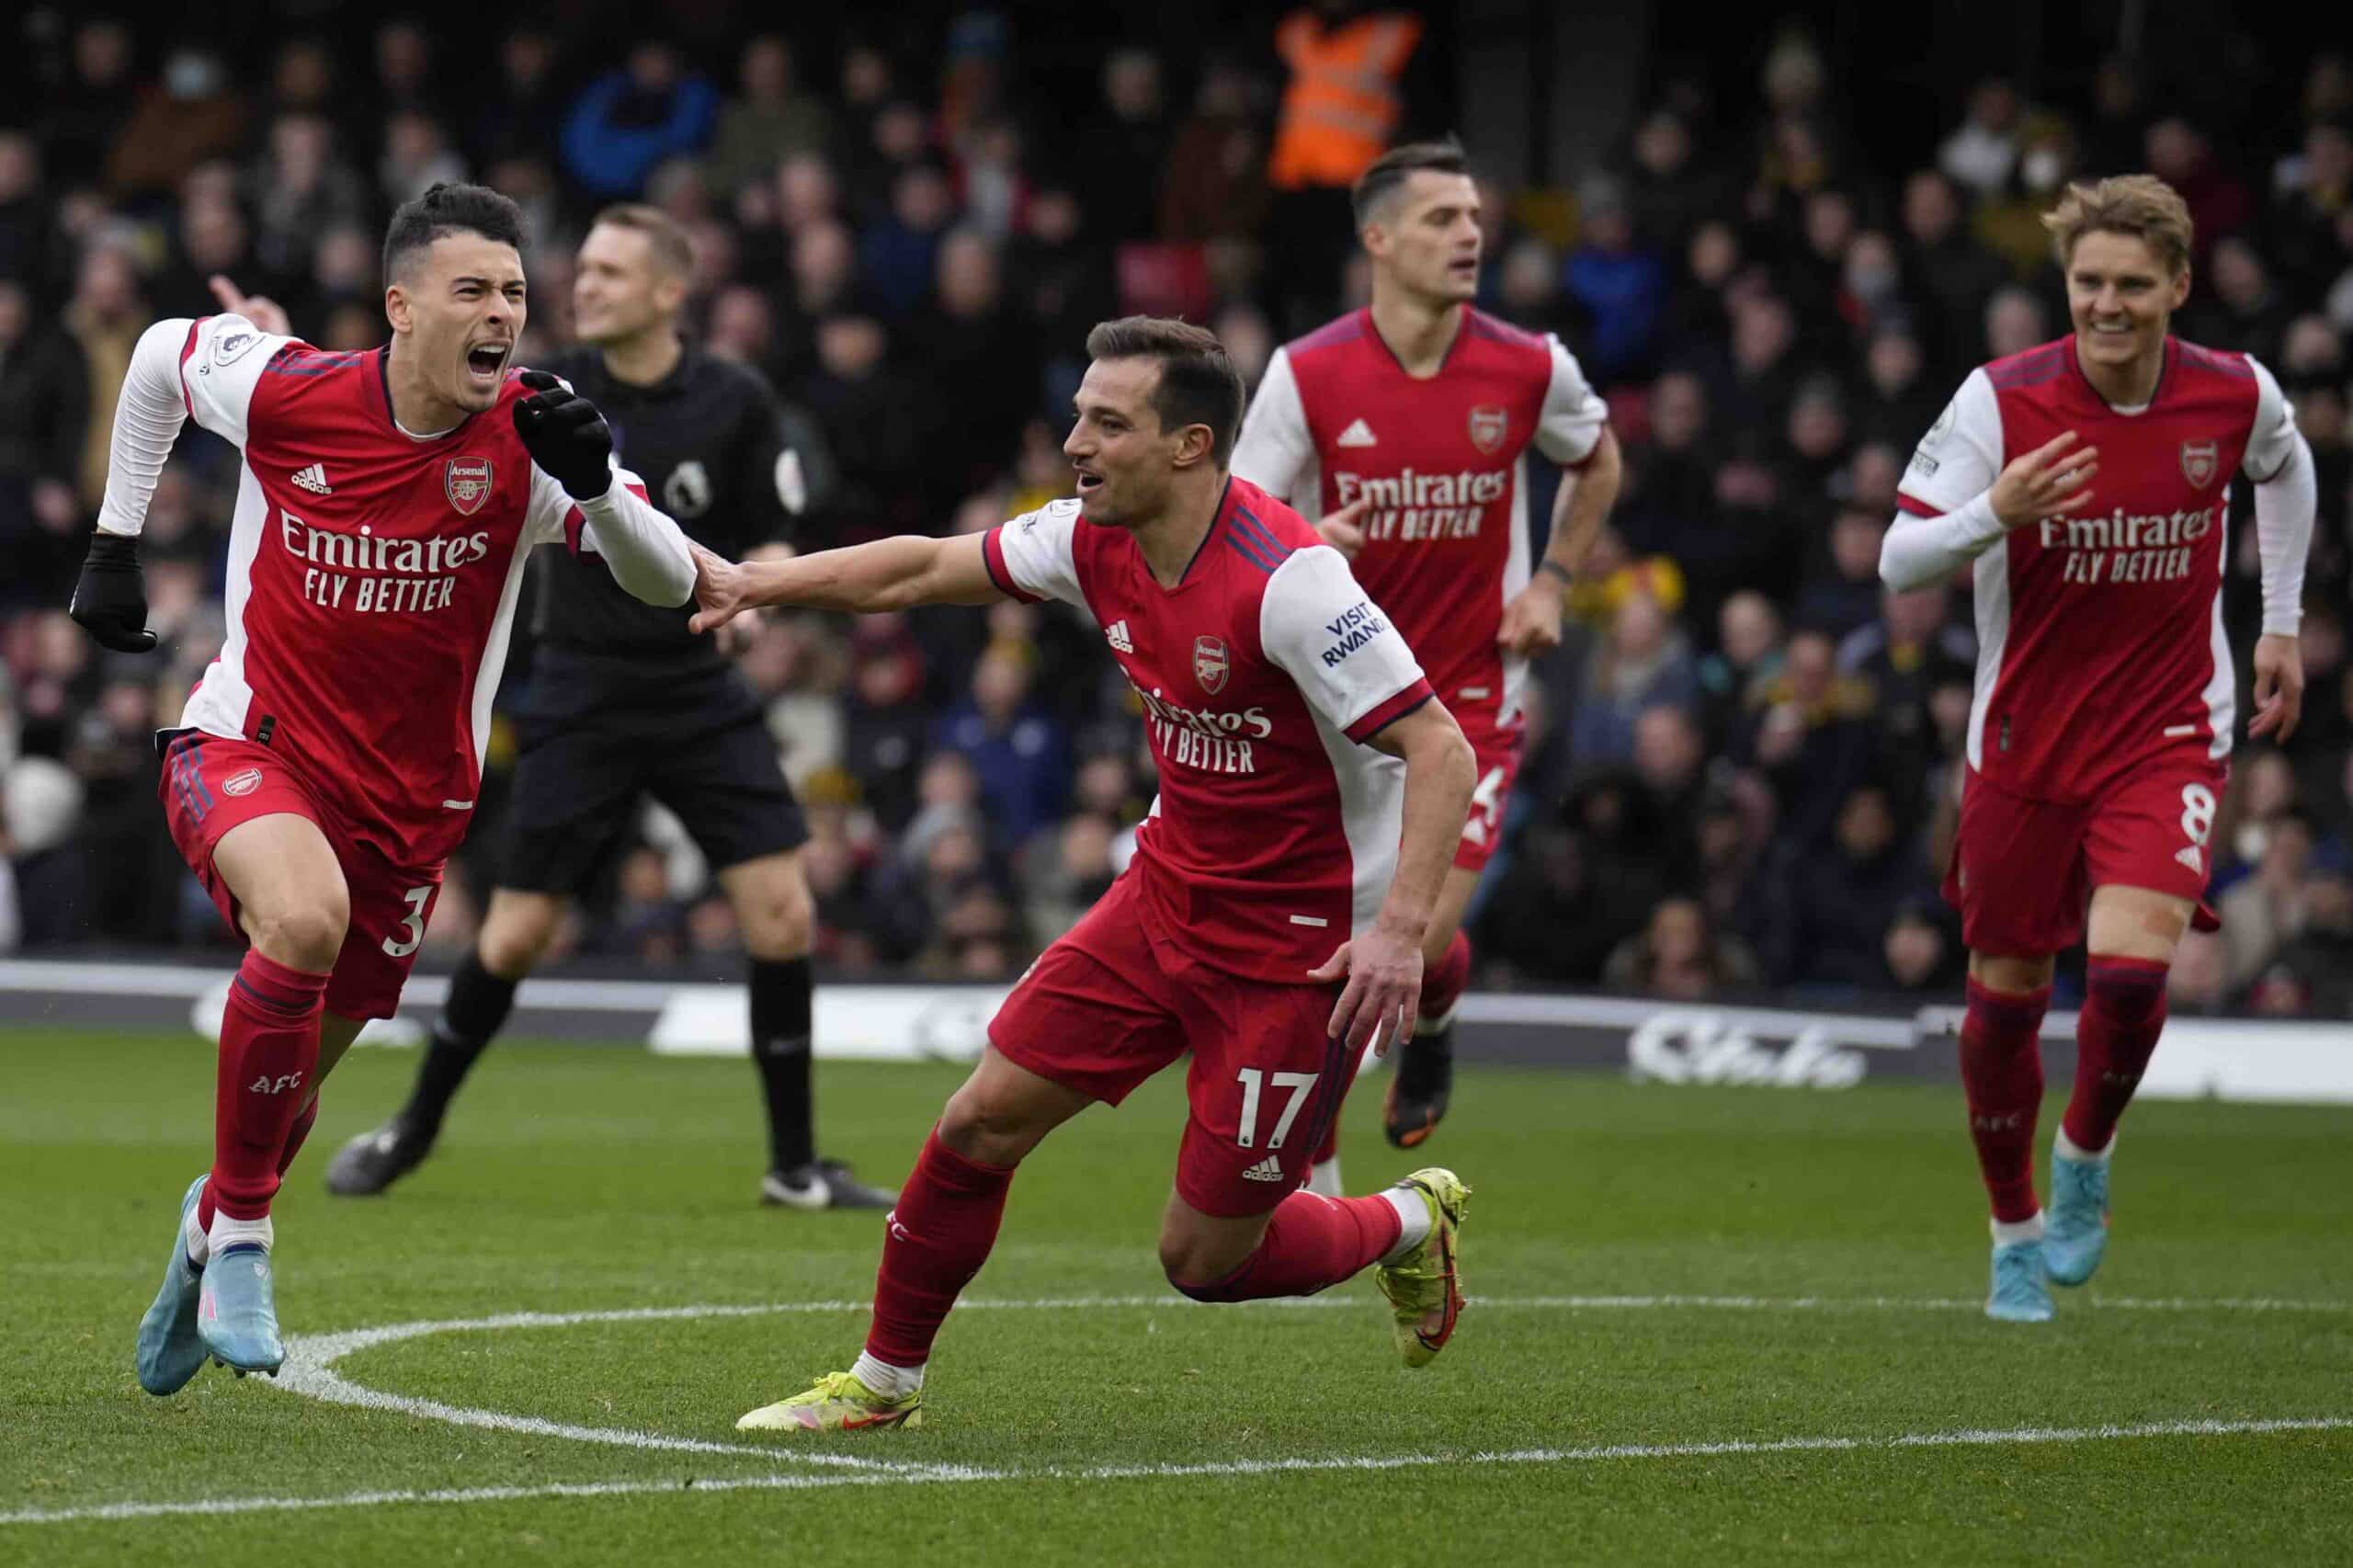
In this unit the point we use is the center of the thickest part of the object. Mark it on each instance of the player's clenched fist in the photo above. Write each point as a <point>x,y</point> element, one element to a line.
<point>2046,483</point>
<point>565,436</point>
<point>110,599</point>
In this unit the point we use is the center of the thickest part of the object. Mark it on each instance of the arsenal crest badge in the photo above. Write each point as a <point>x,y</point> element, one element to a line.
<point>2198,461</point>
<point>1210,665</point>
<point>1488,424</point>
<point>467,481</point>
<point>244,783</point>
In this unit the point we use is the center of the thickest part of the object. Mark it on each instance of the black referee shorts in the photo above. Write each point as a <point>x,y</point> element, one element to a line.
<point>579,778</point>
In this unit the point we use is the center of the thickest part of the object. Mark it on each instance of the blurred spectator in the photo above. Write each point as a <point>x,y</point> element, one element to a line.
<point>768,120</point>
<point>1215,186</point>
<point>1923,951</point>
<point>1843,594</point>
<point>1619,283</point>
<point>1957,277</point>
<point>628,121</point>
<point>45,406</point>
<point>1810,736</point>
<point>2178,152</point>
<point>188,116</point>
<point>2264,911</point>
<point>1839,906</point>
<point>518,121</point>
<point>1019,750</point>
<point>1679,957</point>
<point>1983,151</point>
<point>2312,975</point>
<point>1643,662</point>
<point>1128,138</point>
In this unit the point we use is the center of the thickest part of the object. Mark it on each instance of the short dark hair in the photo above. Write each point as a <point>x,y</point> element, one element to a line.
<point>1390,172</point>
<point>1199,384</point>
<point>449,209</point>
<point>674,248</point>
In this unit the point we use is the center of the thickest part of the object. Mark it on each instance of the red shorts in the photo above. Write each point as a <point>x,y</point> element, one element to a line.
<point>2023,870</point>
<point>210,784</point>
<point>1483,831</point>
<point>1107,1006</point>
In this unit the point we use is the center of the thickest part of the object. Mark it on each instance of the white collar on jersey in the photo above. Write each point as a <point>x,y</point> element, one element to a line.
<point>415,436</point>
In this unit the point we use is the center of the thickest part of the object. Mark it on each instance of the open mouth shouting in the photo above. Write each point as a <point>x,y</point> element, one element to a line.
<point>1089,482</point>
<point>486,362</point>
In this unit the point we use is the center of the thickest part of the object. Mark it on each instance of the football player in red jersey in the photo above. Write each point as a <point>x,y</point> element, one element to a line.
<point>1270,926</point>
<point>2086,484</point>
<point>1406,426</point>
<point>326,763</point>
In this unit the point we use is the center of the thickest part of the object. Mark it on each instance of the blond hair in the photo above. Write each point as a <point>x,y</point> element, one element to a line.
<point>2140,205</point>
<point>674,249</point>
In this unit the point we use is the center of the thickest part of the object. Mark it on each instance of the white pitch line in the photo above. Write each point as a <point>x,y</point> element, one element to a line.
<point>1590,1454</point>
<point>311,1358</point>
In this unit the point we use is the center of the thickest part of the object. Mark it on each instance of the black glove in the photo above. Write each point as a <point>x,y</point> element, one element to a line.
<point>111,601</point>
<point>565,436</point>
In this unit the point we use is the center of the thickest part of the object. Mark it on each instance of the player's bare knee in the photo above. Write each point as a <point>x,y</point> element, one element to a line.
<point>986,1128</point>
<point>517,935</point>
<point>306,933</point>
<point>778,925</point>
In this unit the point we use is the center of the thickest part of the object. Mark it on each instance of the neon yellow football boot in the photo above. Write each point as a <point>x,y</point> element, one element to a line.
<point>839,1402</point>
<point>1424,1287</point>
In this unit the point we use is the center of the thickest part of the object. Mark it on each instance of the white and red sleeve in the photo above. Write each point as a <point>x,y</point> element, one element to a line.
<point>204,370</point>
<point>1570,424</point>
<point>644,551</point>
<point>1276,451</point>
<point>1943,520</point>
<point>1035,556</point>
<point>1320,628</point>
<point>2286,496</point>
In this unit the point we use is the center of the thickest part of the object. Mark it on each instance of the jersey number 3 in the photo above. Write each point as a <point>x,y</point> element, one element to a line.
<point>412,925</point>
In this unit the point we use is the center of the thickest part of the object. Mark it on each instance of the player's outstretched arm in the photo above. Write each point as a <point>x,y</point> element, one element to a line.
<point>110,598</point>
<point>886,575</point>
<point>1384,966</point>
<point>570,443</point>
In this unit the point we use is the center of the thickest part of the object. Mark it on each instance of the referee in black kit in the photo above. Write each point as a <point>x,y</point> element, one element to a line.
<point>624,702</point>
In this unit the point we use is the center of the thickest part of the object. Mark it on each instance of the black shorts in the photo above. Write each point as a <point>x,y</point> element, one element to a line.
<point>580,777</point>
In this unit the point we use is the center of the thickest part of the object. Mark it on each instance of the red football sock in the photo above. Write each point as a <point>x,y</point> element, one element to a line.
<point>297,1133</point>
<point>269,1048</point>
<point>2001,1074</point>
<point>1442,984</point>
<point>2116,1033</point>
<point>938,1237</point>
<point>1312,1242</point>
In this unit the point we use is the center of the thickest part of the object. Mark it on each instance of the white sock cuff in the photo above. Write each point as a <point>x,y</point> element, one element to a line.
<point>192,1237</point>
<point>227,1233</point>
<point>1413,1220</point>
<point>2008,1232</point>
<point>2064,1147</point>
<point>891,1383</point>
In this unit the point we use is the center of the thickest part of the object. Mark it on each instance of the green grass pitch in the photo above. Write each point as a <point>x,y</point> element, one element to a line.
<point>1734,1325</point>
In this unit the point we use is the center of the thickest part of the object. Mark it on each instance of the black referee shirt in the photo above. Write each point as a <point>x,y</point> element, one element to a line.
<point>708,439</point>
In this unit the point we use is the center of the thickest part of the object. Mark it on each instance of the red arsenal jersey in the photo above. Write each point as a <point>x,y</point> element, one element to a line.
<point>2100,636</point>
<point>1444,462</point>
<point>372,578</point>
<point>1262,675</point>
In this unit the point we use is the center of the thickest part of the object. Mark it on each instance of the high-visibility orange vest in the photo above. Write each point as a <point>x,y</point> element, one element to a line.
<point>1341,104</point>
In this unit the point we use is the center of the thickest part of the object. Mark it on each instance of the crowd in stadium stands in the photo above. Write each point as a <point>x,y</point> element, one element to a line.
<point>1745,761</point>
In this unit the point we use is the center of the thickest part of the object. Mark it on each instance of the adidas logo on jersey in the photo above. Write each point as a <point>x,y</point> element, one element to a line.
<point>1117,635</point>
<point>314,480</point>
<point>1357,434</point>
<point>2189,855</point>
<point>1268,1169</point>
